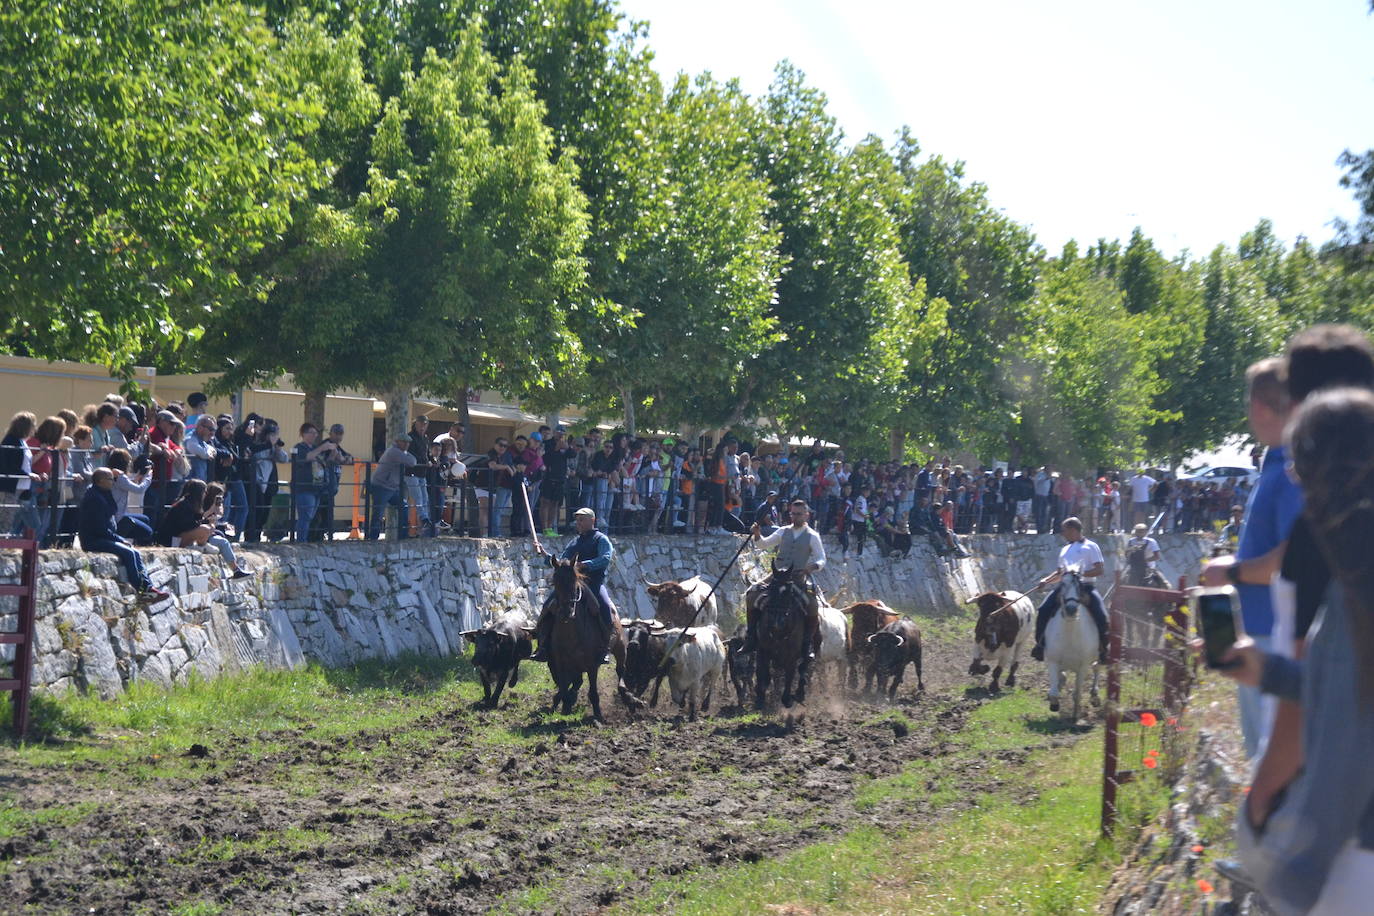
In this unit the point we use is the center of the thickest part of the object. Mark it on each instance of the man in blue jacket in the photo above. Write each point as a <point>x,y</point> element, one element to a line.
<point>96,528</point>
<point>593,552</point>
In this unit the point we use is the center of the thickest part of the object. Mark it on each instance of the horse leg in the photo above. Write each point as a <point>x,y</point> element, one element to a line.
<point>1093,697</point>
<point>1055,683</point>
<point>570,693</point>
<point>594,695</point>
<point>803,678</point>
<point>761,677</point>
<point>1078,679</point>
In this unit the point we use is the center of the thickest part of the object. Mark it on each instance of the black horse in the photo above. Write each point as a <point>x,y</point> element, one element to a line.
<point>782,637</point>
<point>576,641</point>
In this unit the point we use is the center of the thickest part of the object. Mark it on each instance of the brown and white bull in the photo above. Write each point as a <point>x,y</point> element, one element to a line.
<point>866,618</point>
<point>675,603</point>
<point>1005,625</point>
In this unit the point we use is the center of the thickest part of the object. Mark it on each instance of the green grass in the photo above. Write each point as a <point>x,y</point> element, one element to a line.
<point>1031,849</point>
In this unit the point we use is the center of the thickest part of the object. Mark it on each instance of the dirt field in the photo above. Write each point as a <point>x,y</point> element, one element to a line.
<point>469,811</point>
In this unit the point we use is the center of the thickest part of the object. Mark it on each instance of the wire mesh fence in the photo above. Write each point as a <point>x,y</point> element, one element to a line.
<point>1149,681</point>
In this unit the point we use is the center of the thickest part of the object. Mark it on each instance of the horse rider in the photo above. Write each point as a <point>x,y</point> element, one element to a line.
<point>1140,537</point>
<point>1086,555</point>
<point>593,552</point>
<point>800,550</point>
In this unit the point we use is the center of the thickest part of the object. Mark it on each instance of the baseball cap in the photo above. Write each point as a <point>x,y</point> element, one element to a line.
<point>535,437</point>
<point>127,413</point>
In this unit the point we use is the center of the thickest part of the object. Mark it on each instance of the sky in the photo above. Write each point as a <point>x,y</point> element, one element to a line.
<point>1192,120</point>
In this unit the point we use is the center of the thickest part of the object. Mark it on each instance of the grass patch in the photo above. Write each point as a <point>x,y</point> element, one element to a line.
<point>1033,849</point>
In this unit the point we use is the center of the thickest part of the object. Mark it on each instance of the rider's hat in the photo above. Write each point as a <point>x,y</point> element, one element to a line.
<point>584,511</point>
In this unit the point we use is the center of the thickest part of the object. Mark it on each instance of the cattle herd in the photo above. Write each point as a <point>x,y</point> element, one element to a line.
<point>683,645</point>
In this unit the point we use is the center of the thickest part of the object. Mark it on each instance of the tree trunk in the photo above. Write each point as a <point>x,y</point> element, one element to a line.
<point>897,445</point>
<point>628,396</point>
<point>465,417</point>
<point>397,413</point>
<point>314,407</point>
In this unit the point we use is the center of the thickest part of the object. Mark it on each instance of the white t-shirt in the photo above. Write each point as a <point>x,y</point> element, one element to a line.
<point>1151,548</point>
<point>1140,488</point>
<point>1084,554</point>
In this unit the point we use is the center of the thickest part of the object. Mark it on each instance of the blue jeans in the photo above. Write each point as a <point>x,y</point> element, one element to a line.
<point>30,515</point>
<point>418,490</point>
<point>133,562</point>
<point>601,501</point>
<point>307,502</point>
<point>500,503</point>
<point>136,528</point>
<point>381,498</point>
<point>1256,710</point>
<point>237,498</point>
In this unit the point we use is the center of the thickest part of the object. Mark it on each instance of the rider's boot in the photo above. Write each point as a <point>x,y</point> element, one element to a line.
<point>1038,651</point>
<point>751,639</point>
<point>541,633</point>
<point>1102,650</point>
<point>813,637</point>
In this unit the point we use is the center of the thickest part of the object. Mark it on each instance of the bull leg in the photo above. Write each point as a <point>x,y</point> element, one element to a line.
<point>920,682</point>
<point>692,704</point>
<point>515,673</point>
<point>896,682</point>
<point>872,673</point>
<point>1011,674</point>
<point>496,690</point>
<point>996,673</point>
<point>629,699</point>
<point>486,686</point>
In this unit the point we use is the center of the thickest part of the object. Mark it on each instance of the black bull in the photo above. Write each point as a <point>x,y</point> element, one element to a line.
<point>498,650</point>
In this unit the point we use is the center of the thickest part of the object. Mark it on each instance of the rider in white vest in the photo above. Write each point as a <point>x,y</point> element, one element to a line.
<point>800,550</point>
<point>1087,556</point>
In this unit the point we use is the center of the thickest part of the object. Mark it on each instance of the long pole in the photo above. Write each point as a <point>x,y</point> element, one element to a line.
<point>529,516</point>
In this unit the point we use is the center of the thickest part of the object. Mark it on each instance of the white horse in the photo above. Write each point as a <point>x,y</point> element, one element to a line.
<point>1071,642</point>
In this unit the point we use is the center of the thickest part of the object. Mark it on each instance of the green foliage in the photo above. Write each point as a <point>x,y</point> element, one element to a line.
<point>150,150</point>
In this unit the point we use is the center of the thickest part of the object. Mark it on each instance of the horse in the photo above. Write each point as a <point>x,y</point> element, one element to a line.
<point>1071,642</point>
<point>1144,619</point>
<point>781,622</point>
<point>576,642</point>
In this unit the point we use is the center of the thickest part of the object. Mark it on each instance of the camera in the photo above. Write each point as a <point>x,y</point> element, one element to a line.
<point>1216,617</point>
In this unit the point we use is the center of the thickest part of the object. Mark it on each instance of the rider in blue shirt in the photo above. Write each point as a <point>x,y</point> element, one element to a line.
<point>593,552</point>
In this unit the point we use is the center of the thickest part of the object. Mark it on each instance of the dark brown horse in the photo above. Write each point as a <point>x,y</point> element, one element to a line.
<point>576,641</point>
<point>782,637</point>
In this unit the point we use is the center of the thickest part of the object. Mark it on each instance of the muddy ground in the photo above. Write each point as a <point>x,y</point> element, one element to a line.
<point>475,810</point>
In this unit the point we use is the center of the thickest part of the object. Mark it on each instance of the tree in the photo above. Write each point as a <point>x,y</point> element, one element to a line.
<point>454,264</point>
<point>984,266</point>
<point>150,150</point>
<point>845,305</point>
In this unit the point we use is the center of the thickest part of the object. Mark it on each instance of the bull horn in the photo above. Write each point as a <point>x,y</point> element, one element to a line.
<point>647,583</point>
<point>871,638</point>
<point>900,641</point>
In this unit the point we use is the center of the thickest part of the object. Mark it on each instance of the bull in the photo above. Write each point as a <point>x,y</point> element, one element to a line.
<point>499,647</point>
<point>894,646</point>
<point>1003,629</point>
<point>740,665</point>
<point>643,654</point>
<point>866,618</point>
<point>676,604</point>
<point>696,665</point>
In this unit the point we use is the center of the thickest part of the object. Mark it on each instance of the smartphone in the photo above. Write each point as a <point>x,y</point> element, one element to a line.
<point>1216,614</point>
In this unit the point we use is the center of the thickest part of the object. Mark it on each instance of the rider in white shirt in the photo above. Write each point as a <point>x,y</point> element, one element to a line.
<point>1084,554</point>
<point>801,551</point>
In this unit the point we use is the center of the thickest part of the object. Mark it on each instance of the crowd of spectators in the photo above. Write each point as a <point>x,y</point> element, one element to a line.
<point>643,485</point>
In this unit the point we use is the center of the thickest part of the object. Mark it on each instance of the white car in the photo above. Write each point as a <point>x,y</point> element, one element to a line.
<point>1221,474</point>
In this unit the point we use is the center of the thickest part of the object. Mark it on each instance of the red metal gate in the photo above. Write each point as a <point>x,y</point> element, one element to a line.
<point>19,683</point>
<point>1174,688</point>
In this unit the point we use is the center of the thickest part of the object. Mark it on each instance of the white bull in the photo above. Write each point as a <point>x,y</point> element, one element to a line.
<point>696,664</point>
<point>833,657</point>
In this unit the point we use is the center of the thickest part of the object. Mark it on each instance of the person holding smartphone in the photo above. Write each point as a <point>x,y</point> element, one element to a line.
<point>1310,848</point>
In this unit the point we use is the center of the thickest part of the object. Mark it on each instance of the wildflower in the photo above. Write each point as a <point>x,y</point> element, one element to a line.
<point>1205,886</point>
<point>1148,719</point>
<point>1151,763</point>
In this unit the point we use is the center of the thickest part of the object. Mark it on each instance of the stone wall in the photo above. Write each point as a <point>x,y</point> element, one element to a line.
<point>340,603</point>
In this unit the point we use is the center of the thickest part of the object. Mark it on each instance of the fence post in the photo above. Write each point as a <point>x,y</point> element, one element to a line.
<point>1176,687</point>
<point>1112,726</point>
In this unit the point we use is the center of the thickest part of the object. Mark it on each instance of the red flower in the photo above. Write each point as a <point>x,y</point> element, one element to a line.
<point>1151,763</point>
<point>1148,719</point>
<point>1205,886</point>
<point>1198,849</point>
